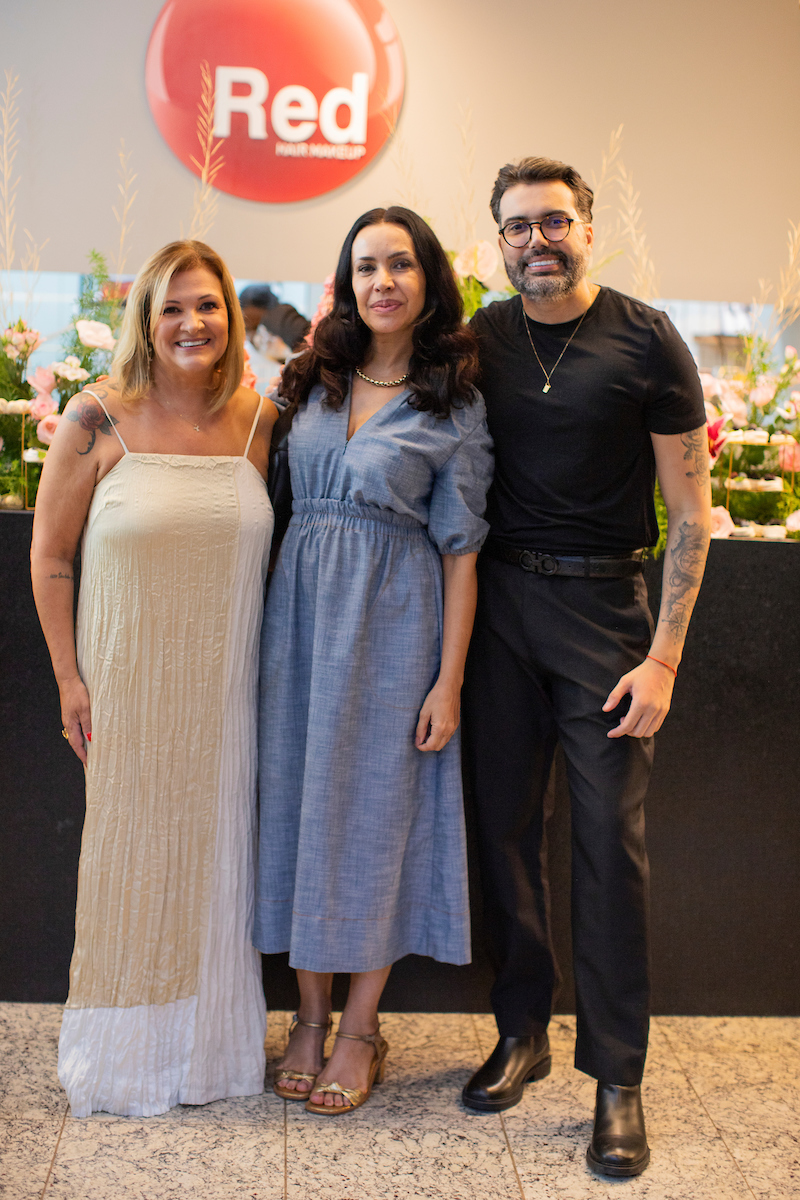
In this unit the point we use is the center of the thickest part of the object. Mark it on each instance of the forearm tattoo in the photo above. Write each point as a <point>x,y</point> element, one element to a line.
<point>91,417</point>
<point>695,446</point>
<point>60,575</point>
<point>685,562</point>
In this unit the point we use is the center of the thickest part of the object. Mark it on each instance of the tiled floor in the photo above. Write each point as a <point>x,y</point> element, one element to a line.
<point>722,1098</point>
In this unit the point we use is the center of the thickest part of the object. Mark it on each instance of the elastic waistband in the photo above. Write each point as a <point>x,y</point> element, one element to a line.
<point>355,516</point>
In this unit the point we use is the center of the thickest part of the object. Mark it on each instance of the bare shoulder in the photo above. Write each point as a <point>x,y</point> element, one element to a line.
<point>246,402</point>
<point>85,417</point>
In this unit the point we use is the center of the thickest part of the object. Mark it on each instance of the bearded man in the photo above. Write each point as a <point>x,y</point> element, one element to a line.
<point>590,394</point>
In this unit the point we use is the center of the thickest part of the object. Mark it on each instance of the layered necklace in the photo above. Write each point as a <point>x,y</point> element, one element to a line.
<point>549,374</point>
<point>384,382</point>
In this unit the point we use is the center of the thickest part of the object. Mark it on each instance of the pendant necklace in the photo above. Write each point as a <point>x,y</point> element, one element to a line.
<point>548,375</point>
<point>383,382</point>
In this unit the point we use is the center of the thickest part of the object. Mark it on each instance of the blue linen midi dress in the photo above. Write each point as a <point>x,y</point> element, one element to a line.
<point>362,849</point>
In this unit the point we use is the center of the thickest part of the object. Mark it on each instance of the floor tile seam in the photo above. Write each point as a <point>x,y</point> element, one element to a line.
<point>705,1109</point>
<point>55,1150</point>
<point>476,1032</point>
<point>511,1156</point>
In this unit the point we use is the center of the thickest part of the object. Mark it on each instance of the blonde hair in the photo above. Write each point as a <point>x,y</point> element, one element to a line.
<point>131,367</point>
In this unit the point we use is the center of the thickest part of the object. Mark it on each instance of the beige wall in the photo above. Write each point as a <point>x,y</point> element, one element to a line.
<point>707,91</point>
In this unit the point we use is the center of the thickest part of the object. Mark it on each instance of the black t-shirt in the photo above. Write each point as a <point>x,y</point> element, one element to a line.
<point>575,469</point>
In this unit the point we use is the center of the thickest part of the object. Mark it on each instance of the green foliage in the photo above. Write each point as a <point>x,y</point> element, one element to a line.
<point>761,507</point>
<point>97,301</point>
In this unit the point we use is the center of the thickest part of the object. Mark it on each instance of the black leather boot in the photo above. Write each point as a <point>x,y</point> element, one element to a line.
<point>619,1143</point>
<point>500,1082</point>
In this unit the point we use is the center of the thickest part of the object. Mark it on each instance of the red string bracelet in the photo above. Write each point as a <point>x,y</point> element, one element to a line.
<point>663,664</point>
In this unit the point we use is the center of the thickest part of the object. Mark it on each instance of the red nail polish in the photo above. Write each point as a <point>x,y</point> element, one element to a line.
<point>88,737</point>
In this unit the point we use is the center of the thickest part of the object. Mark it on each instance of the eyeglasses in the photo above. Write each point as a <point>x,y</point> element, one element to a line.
<point>553,229</point>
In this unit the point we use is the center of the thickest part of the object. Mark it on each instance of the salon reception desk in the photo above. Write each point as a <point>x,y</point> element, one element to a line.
<point>723,812</point>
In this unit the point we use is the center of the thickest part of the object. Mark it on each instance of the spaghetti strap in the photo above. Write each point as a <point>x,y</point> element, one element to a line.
<point>111,420</point>
<point>253,427</point>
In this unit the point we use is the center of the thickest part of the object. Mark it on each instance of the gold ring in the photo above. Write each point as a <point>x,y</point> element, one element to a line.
<point>64,734</point>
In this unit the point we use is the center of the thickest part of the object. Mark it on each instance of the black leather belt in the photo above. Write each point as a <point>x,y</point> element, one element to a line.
<point>581,566</point>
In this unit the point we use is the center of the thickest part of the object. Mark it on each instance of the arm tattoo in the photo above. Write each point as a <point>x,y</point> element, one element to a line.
<point>91,417</point>
<point>60,575</point>
<point>695,444</point>
<point>686,561</point>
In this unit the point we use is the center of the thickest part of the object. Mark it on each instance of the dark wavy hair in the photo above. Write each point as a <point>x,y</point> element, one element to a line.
<point>444,360</point>
<point>542,170</point>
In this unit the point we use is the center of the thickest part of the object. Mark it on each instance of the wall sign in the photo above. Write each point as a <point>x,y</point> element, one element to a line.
<point>306,91</point>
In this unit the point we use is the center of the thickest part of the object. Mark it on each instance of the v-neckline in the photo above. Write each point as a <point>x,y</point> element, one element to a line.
<point>349,408</point>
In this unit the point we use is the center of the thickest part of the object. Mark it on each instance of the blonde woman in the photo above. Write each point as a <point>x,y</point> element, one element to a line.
<point>161,470</point>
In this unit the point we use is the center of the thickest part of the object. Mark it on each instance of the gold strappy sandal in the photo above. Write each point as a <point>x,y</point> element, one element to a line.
<point>355,1096</point>
<point>284,1075</point>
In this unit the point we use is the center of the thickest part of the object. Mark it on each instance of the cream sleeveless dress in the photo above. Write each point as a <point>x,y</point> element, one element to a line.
<point>165,1001</point>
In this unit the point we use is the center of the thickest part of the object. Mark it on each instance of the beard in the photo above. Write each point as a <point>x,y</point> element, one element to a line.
<point>548,287</point>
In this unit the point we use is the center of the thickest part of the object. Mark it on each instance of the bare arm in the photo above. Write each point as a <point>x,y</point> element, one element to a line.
<point>441,711</point>
<point>683,472</point>
<point>65,491</point>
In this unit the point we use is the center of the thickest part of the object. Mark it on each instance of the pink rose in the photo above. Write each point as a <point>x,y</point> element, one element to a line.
<point>479,260</point>
<point>790,352</point>
<point>711,386</point>
<point>793,521</point>
<point>789,457</point>
<point>46,428</point>
<point>95,334</point>
<point>11,351</point>
<point>43,405</point>
<point>735,407</point>
<point>764,392</point>
<point>722,525</point>
<point>42,380</point>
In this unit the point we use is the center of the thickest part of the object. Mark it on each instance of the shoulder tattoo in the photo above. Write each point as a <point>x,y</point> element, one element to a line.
<point>90,416</point>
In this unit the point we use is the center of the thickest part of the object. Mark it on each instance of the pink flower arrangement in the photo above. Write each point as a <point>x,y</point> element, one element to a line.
<point>249,379</point>
<point>764,392</point>
<point>42,380</point>
<point>70,369</point>
<point>96,335</point>
<point>46,428</point>
<point>42,405</point>
<point>479,260</point>
<point>793,521</point>
<point>722,525</point>
<point>789,457</point>
<point>19,341</point>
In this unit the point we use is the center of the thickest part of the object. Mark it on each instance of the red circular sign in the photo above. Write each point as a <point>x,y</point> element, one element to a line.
<point>306,92</point>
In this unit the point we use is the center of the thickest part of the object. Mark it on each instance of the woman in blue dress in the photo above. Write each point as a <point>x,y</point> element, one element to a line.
<point>369,615</point>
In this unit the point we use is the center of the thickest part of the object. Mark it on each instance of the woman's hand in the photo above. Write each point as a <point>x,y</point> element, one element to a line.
<point>438,717</point>
<point>76,715</point>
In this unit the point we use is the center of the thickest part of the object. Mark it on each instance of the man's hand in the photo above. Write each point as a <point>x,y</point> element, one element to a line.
<point>650,688</point>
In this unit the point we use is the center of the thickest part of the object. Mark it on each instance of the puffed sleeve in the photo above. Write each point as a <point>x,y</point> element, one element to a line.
<point>458,499</point>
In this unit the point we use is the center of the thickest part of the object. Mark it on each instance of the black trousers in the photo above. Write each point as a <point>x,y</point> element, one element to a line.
<point>545,654</point>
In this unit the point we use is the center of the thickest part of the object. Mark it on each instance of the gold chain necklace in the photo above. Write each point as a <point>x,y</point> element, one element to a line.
<point>548,376</point>
<point>382,382</point>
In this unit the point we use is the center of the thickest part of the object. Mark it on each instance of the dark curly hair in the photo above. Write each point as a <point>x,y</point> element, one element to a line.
<point>444,360</point>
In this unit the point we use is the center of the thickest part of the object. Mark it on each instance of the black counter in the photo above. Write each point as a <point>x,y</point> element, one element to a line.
<point>722,813</point>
